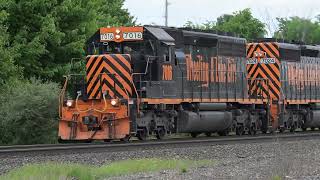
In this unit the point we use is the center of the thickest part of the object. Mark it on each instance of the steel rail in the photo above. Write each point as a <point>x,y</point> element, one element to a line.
<point>120,146</point>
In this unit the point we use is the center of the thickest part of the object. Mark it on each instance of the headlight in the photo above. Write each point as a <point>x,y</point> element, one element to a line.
<point>69,103</point>
<point>114,102</point>
<point>131,101</point>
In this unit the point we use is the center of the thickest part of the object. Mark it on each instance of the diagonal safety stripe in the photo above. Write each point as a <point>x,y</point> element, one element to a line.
<point>274,69</point>
<point>274,49</point>
<point>118,92</point>
<point>249,66</point>
<point>95,90</point>
<point>97,62</point>
<point>251,50</point>
<point>261,73</point>
<point>92,65</point>
<point>248,48</point>
<point>124,59</point>
<point>271,55</point>
<point>119,79</point>
<point>253,68</point>
<point>249,45</point>
<point>127,69</point>
<point>271,71</point>
<point>106,72</point>
<point>270,74</point>
<point>117,65</point>
<point>255,76</point>
<point>262,85</point>
<point>105,87</point>
<point>96,83</point>
<point>111,78</point>
<point>106,84</point>
<point>95,76</point>
<point>264,71</point>
<point>273,90</point>
<point>256,71</point>
<point>89,63</point>
<point>93,87</point>
<point>127,57</point>
<point>123,77</point>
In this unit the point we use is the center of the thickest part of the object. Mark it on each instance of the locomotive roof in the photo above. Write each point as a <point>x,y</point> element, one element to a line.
<point>293,45</point>
<point>289,46</point>
<point>215,36</point>
<point>202,34</point>
<point>311,47</point>
<point>160,34</point>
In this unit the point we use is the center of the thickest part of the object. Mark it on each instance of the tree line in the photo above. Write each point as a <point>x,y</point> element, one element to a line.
<point>40,38</point>
<point>244,24</point>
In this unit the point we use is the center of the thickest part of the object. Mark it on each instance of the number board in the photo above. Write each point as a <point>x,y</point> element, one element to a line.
<point>119,34</point>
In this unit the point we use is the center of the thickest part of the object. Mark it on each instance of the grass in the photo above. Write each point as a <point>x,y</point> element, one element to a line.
<point>54,171</point>
<point>276,178</point>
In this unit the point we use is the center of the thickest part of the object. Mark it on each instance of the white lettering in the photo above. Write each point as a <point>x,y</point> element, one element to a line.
<point>107,37</point>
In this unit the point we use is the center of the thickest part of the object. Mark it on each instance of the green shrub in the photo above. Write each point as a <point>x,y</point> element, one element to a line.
<point>28,111</point>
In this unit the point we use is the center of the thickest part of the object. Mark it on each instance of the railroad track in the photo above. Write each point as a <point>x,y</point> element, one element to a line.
<point>167,143</point>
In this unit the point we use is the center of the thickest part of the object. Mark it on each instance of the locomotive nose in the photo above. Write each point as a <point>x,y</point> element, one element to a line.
<point>109,73</point>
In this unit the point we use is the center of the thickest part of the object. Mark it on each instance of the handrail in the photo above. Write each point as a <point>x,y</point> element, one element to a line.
<point>147,66</point>
<point>144,73</point>
<point>62,94</point>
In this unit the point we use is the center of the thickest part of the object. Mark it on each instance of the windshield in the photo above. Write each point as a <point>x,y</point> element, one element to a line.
<point>120,48</point>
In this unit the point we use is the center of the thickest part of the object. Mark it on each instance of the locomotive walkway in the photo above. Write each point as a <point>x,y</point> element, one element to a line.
<point>167,143</point>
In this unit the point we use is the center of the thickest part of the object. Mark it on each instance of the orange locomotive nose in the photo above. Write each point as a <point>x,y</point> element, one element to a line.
<point>100,108</point>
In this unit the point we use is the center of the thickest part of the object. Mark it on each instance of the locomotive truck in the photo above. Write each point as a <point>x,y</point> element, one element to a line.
<point>153,81</point>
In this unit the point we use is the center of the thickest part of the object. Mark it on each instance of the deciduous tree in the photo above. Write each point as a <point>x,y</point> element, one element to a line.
<point>298,29</point>
<point>48,34</point>
<point>241,22</point>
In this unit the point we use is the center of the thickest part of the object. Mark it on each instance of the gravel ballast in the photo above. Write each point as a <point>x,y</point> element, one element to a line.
<point>289,160</point>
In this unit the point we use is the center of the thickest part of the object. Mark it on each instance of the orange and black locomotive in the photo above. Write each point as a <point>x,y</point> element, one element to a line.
<point>153,81</point>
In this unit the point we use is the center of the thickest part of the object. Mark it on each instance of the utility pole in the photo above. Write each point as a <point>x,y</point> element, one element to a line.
<point>166,13</point>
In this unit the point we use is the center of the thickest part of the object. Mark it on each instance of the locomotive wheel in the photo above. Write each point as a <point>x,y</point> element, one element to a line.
<point>160,133</point>
<point>223,133</point>
<point>240,130</point>
<point>282,129</point>
<point>208,134</point>
<point>252,131</point>
<point>194,135</point>
<point>126,139</point>
<point>292,129</point>
<point>142,134</point>
<point>63,141</point>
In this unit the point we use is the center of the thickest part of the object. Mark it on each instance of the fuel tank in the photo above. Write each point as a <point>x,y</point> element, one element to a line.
<point>204,121</point>
<point>212,106</point>
<point>313,121</point>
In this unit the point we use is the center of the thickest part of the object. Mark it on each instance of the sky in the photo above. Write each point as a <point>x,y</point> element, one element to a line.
<point>200,11</point>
